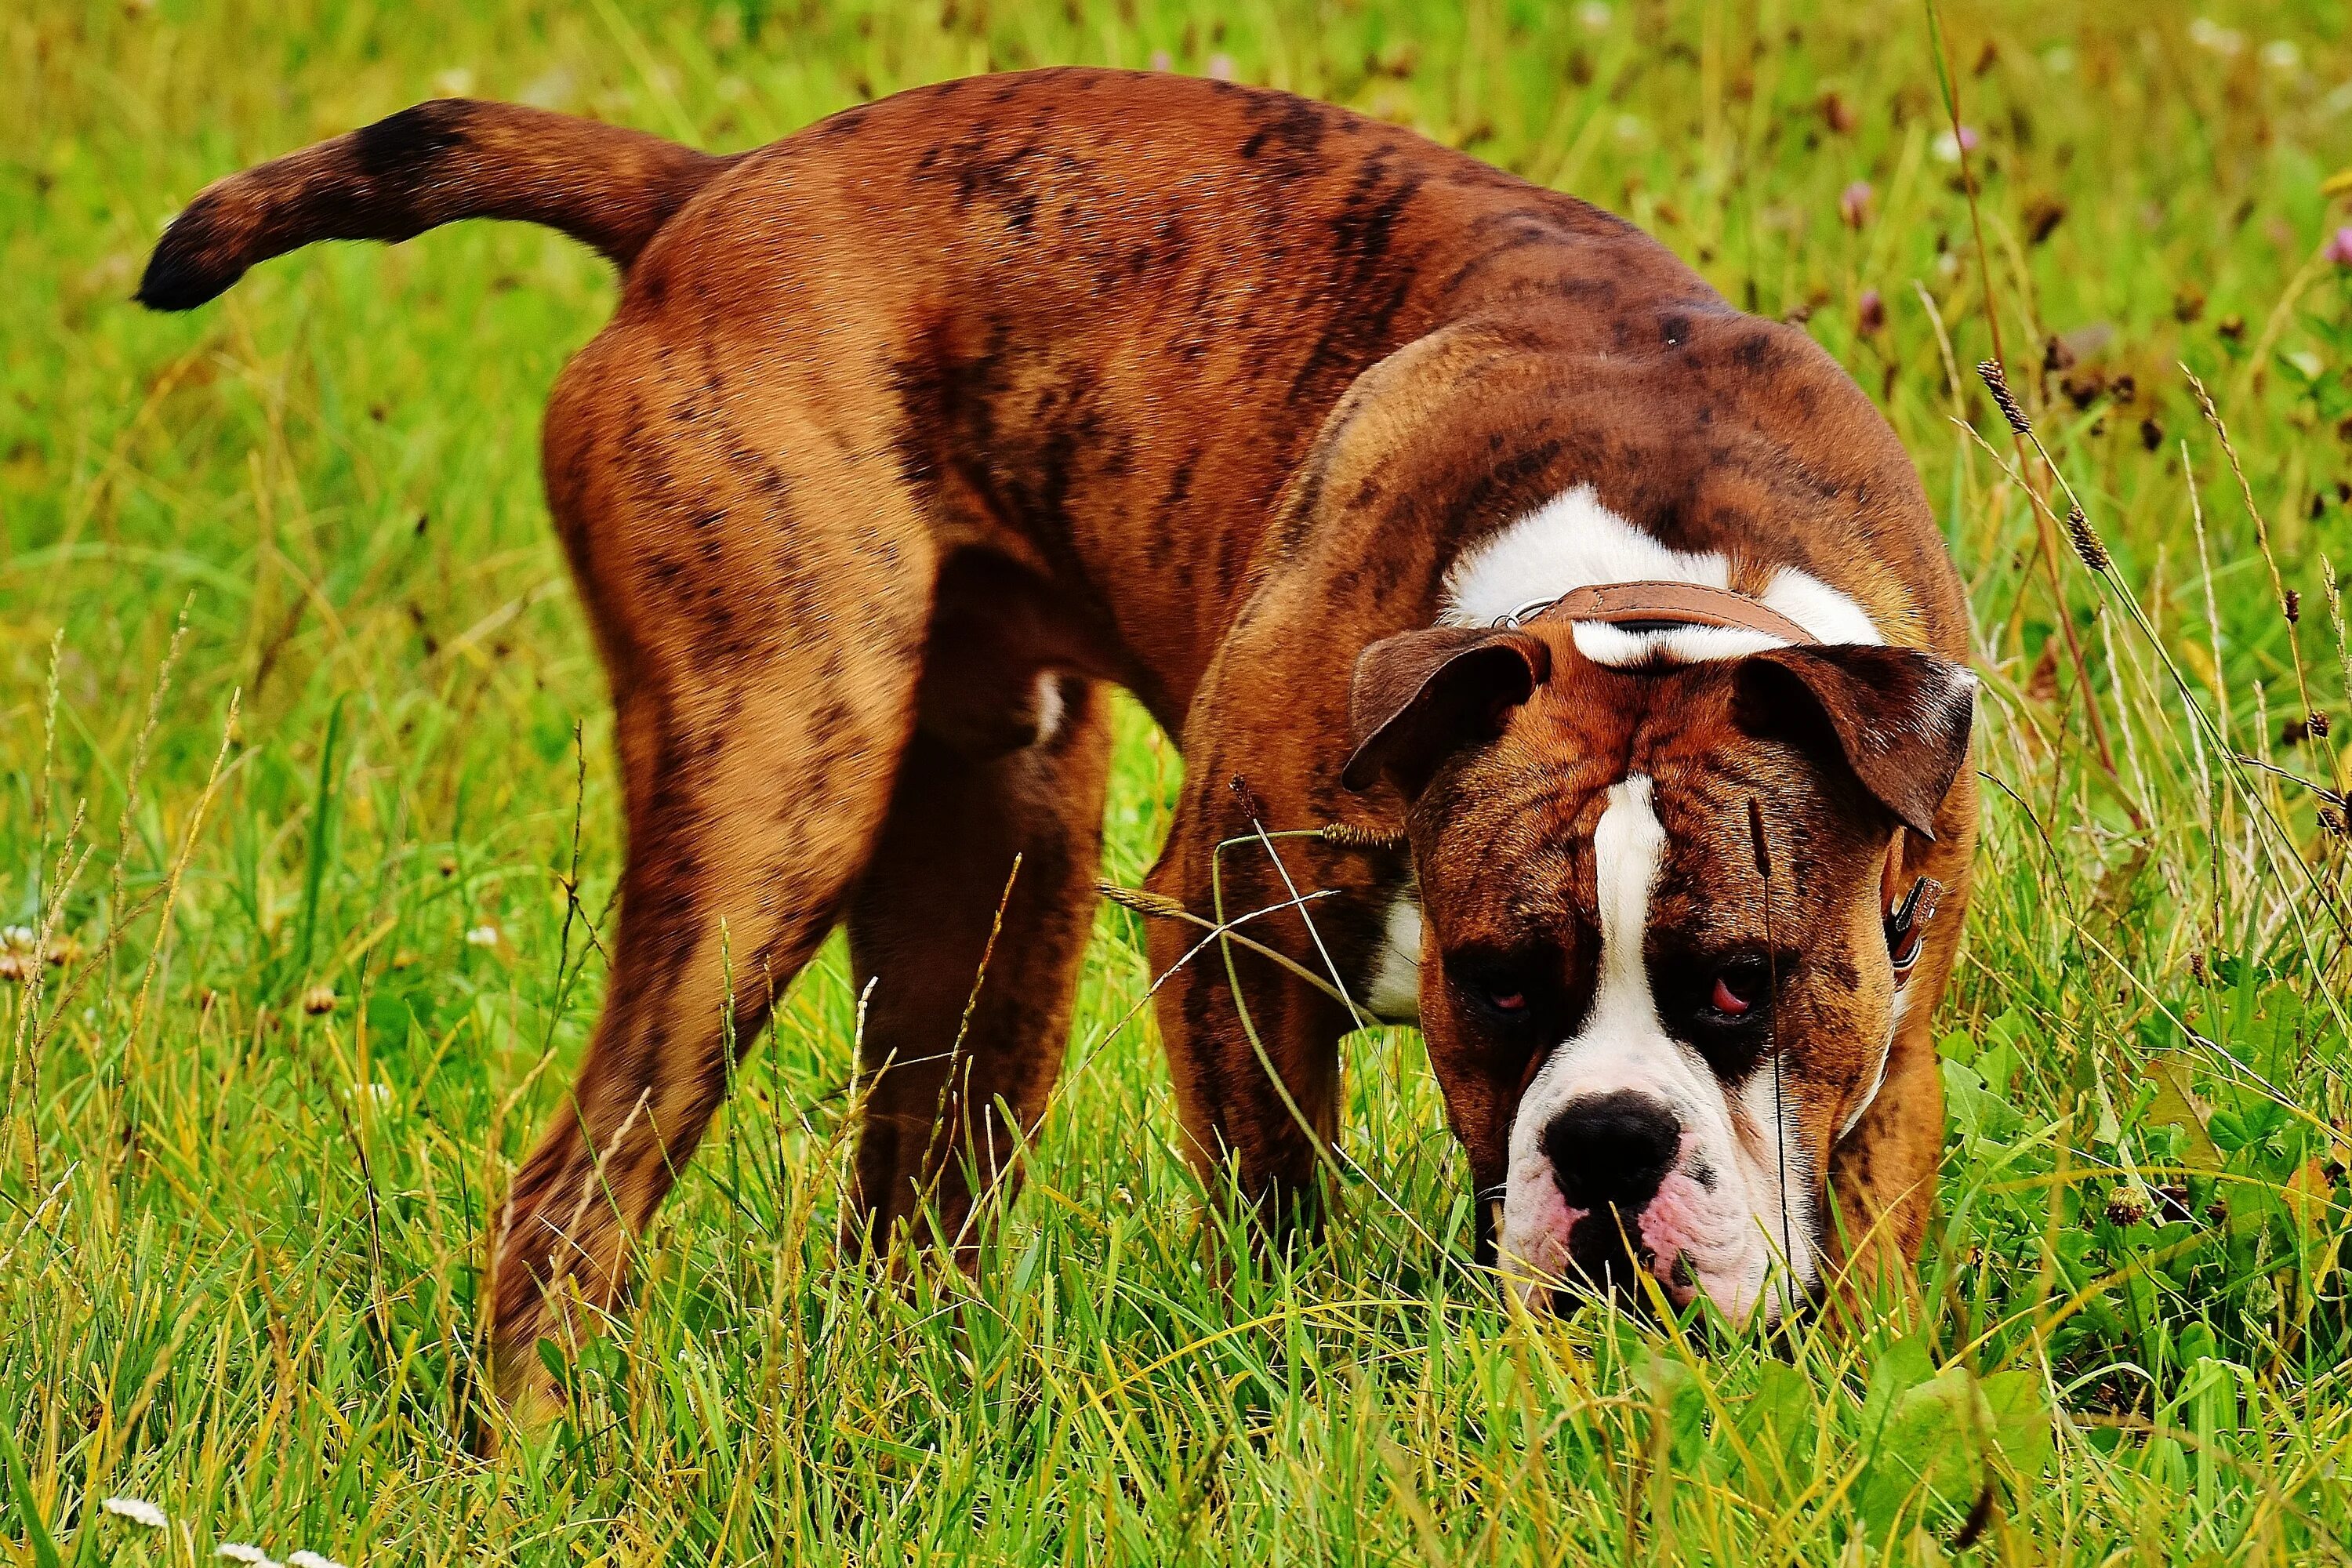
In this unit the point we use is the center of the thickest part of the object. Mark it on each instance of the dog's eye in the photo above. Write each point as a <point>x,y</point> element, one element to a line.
<point>1508,990</point>
<point>1741,987</point>
<point>1503,995</point>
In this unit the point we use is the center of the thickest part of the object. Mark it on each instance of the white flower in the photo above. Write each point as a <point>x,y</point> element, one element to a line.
<point>2280,54</point>
<point>552,90</point>
<point>2208,34</point>
<point>252,1556</point>
<point>20,938</point>
<point>482,936</point>
<point>138,1510</point>
<point>1595,16</point>
<point>1630,128</point>
<point>2058,59</point>
<point>311,1560</point>
<point>455,82</point>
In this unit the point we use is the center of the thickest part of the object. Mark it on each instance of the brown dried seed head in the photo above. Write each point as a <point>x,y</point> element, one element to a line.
<point>1247,797</point>
<point>1996,382</point>
<point>2087,542</point>
<point>1142,902</point>
<point>2127,1207</point>
<point>2292,603</point>
<point>1359,836</point>
<point>2319,724</point>
<point>319,999</point>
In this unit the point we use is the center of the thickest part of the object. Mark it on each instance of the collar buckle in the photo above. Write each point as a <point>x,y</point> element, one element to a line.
<point>1907,925</point>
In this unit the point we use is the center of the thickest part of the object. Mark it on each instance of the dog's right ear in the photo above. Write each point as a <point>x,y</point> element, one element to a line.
<point>1420,697</point>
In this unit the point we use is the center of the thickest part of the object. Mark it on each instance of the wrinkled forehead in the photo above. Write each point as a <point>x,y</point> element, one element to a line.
<point>1523,820</point>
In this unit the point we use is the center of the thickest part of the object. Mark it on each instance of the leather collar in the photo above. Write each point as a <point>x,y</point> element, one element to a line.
<point>1655,606</point>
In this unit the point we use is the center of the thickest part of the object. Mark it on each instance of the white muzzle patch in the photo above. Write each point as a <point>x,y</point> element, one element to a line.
<point>1734,1206</point>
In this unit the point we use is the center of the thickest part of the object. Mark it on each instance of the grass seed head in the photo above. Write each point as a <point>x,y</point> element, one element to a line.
<point>1141,901</point>
<point>2087,542</point>
<point>1996,382</point>
<point>1357,836</point>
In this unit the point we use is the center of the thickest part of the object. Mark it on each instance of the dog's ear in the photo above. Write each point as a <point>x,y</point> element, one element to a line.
<point>1420,696</point>
<point>1897,717</point>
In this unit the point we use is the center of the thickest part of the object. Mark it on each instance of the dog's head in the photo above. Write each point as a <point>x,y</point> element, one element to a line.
<point>1654,973</point>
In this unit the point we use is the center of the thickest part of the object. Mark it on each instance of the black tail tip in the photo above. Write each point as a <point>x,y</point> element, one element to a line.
<point>188,268</point>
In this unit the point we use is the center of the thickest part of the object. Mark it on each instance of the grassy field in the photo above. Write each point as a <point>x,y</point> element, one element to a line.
<point>303,750</point>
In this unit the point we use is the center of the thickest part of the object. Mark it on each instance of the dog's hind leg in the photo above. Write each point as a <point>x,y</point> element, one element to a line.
<point>763,631</point>
<point>969,1013</point>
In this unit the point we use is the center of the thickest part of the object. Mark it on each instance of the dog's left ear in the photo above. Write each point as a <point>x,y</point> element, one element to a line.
<point>1420,696</point>
<point>1900,718</point>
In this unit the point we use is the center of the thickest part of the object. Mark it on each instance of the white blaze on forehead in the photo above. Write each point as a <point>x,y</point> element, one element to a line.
<point>1629,849</point>
<point>1623,1044</point>
<point>1573,541</point>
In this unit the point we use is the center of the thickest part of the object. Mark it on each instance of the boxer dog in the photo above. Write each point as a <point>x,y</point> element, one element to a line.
<point>1605,630</point>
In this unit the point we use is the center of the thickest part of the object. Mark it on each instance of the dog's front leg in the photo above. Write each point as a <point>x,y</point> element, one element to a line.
<point>1254,1045</point>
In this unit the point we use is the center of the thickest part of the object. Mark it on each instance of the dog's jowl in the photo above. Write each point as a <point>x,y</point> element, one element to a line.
<point>1425,501</point>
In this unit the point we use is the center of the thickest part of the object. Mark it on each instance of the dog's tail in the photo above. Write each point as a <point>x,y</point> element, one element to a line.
<point>435,164</point>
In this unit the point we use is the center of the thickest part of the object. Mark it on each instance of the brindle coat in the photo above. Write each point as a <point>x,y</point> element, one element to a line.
<point>916,429</point>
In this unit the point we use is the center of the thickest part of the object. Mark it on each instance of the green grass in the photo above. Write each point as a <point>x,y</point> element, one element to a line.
<point>239,1237</point>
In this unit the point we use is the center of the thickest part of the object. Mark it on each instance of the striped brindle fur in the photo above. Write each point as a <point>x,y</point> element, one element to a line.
<point>916,430</point>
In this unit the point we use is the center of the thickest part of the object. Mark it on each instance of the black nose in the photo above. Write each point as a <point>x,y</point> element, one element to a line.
<point>1611,1149</point>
